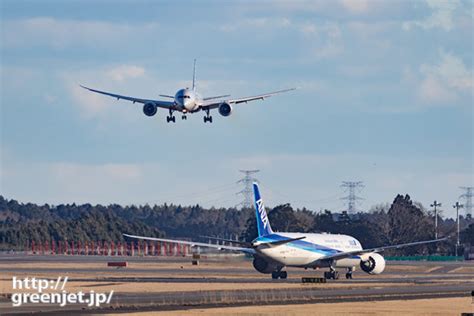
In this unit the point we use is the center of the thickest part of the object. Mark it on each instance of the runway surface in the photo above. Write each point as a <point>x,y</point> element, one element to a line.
<point>169,283</point>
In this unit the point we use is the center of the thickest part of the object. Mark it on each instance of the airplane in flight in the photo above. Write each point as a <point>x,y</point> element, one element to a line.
<point>273,251</point>
<point>188,100</point>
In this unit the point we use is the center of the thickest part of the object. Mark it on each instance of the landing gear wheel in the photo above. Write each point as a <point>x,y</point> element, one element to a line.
<point>279,275</point>
<point>171,119</point>
<point>207,118</point>
<point>333,274</point>
<point>349,274</point>
<point>184,117</point>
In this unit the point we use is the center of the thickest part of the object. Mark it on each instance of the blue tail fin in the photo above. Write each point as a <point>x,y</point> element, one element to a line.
<point>263,224</point>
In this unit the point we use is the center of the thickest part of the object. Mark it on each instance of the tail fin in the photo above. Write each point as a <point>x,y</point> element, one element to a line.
<point>263,224</point>
<point>194,75</point>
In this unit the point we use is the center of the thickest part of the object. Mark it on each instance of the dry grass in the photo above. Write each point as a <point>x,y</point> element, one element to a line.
<point>441,306</point>
<point>159,287</point>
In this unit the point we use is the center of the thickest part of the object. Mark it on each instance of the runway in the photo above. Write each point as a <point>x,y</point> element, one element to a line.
<point>161,283</point>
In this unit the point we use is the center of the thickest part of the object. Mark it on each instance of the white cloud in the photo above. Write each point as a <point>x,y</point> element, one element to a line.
<point>256,23</point>
<point>432,90</point>
<point>108,79</point>
<point>445,80</point>
<point>62,33</point>
<point>73,172</point>
<point>442,15</point>
<point>356,6</point>
<point>124,72</point>
<point>325,39</point>
<point>91,104</point>
<point>452,71</point>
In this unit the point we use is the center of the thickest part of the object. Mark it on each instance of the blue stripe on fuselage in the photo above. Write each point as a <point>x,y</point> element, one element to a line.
<point>301,244</point>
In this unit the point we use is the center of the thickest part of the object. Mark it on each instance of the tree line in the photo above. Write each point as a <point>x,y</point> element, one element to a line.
<point>400,222</point>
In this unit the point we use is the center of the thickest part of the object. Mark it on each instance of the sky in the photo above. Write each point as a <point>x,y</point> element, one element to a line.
<point>385,97</point>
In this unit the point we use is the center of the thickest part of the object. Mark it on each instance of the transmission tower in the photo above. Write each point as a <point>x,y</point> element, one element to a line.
<point>247,181</point>
<point>351,198</point>
<point>467,196</point>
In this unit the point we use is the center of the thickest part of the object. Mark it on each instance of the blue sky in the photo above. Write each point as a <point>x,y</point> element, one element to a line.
<point>386,97</point>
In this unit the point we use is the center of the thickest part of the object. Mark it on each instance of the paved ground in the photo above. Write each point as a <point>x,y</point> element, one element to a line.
<point>243,285</point>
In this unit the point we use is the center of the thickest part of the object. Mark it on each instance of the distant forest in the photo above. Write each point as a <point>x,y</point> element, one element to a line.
<point>402,221</point>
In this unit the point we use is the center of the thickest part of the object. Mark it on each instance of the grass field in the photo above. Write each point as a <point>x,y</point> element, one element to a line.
<point>157,278</point>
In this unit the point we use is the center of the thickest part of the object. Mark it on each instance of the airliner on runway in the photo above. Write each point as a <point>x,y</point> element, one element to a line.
<point>273,251</point>
<point>189,101</point>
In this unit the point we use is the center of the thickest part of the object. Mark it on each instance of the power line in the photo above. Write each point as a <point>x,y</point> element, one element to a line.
<point>247,181</point>
<point>467,196</point>
<point>352,198</point>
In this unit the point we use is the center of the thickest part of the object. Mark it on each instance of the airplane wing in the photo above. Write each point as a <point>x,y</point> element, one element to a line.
<point>158,103</point>
<point>342,255</point>
<point>215,104</point>
<point>193,243</point>
<point>216,97</point>
<point>245,243</point>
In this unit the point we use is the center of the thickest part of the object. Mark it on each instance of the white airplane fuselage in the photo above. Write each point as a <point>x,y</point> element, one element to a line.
<point>188,100</point>
<point>304,252</point>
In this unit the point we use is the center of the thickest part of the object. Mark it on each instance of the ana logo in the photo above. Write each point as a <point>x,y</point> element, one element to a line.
<point>263,214</point>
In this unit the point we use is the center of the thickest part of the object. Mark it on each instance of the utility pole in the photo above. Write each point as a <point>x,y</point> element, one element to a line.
<point>457,206</point>
<point>247,181</point>
<point>467,196</point>
<point>436,204</point>
<point>350,187</point>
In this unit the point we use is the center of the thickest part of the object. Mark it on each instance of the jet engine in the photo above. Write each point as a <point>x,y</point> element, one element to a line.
<point>150,109</point>
<point>225,109</point>
<point>263,266</point>
<point>372,263</point>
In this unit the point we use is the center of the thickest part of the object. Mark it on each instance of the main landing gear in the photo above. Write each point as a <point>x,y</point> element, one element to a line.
<point>279,275</point>
<point>331,274</point>
<point>171,117</point>
<point>207,118</point>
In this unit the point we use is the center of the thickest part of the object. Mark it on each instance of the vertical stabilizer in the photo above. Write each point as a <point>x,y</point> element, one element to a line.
<point>194,75</point>
<point>263,224</point>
